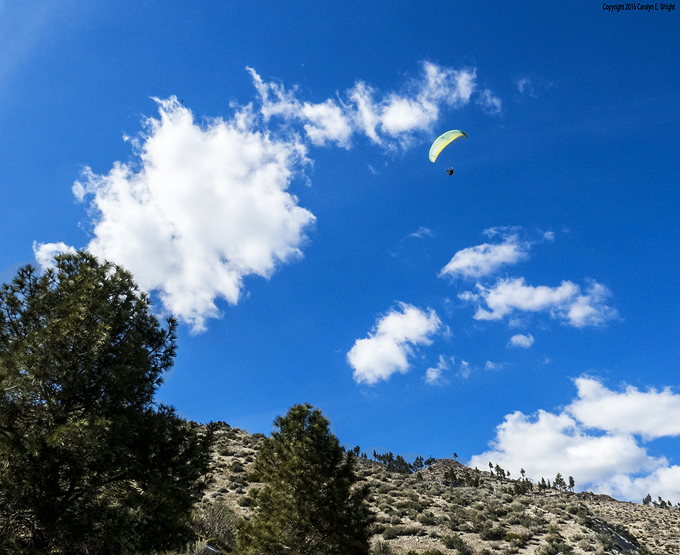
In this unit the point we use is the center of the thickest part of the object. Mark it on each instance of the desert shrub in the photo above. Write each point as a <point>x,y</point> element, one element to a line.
<point>491,534</point>
<point>604,541</point>
<point>390,533</point>
<point>454,523</point>
<point>237,467</point>
<point>377,528</point>
<point>427,519</point>
<point>215,521</point>
<point>381,548</point>
<point>395,520</point>
<point>584,518</point>
<point>585,545</point>
<point>514,538</point>
<point>456,542</point>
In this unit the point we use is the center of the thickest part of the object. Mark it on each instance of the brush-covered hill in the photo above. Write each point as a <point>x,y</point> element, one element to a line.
<point>447,508</point>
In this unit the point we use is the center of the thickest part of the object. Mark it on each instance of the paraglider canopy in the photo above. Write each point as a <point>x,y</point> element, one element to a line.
<point>441,142</point>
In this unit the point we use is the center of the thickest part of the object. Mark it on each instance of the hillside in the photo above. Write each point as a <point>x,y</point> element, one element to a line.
<point>430,511</point>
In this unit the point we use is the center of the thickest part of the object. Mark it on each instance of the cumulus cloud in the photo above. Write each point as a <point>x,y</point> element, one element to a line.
<point>588,441</point>
<point>651,414</point>
<point>387,119</point>
<point>484,260</point>
<point>202,206</point>
<point>45,253</point>
<point>390,344</point>
<point>199,209</point>
<point>523,341</point>
<point>546,443</point>
<point>566,302</point>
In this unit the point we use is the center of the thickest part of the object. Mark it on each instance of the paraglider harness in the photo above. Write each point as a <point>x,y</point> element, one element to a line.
<point>450,171</point>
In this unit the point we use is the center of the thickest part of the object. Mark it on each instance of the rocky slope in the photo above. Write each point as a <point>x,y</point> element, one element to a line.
<point>439,510</point>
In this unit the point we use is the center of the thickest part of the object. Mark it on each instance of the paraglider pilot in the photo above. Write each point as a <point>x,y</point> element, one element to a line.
<point>450,171</point>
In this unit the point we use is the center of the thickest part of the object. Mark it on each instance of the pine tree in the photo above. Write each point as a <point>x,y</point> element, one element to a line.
<point>309,504</point>
<point>89,463</point>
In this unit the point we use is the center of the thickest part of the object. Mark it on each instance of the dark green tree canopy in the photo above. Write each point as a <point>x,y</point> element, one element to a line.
<point>88,462</point>
<point>310,503</point>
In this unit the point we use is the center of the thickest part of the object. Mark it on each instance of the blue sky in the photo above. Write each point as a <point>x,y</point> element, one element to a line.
<point>261,167</point>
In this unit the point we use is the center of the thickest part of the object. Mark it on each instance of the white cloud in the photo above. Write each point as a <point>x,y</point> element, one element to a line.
<point>565,302</point>
<point>525,86</point>
<point>203,206</point>
<point>422,232</point>
<point>523,341</point>
<point>609,461</point>
<point>199,209</point>
<point>651,414</point>
<point>490,104</point>
<point>465,369</point>
<point>45,253</point>
<point>433,376</point>
<point>493,365</point>
<point>547,443</point>
<point>326,123</point>
<point>483,260</point>
<point>387,348</point>
<point>390,120</point>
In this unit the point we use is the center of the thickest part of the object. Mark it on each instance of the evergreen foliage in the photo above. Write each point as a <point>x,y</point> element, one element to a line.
<point>309,503</point>
<point>559,482</point>
<point>398,464</point>
<point>88,463</point>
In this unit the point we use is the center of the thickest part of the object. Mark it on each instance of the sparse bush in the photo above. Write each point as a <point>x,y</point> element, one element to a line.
<point>585,545</point>
<point>215,521</point>
<point>489,533</point>
<point>427,519</point>
<point>237,467</point>
<point>381,548</point>
<point>390,533</point>
<point>456,542</point>
<point>377,528</point>
<point>515,539</point>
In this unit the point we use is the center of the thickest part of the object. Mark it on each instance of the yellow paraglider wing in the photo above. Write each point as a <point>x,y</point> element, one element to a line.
<point>441,142</point>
